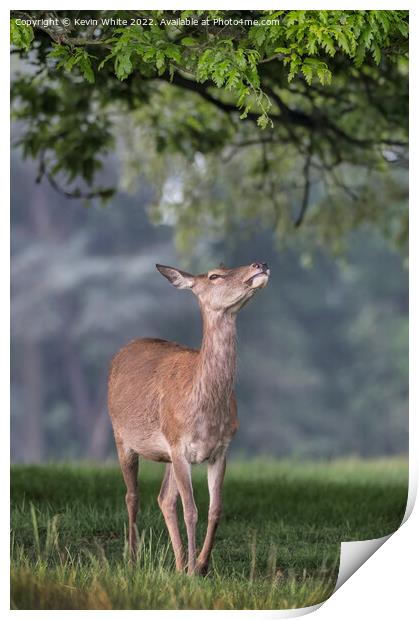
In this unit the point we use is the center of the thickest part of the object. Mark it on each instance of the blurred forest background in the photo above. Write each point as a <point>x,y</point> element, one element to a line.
<point>322,350</point>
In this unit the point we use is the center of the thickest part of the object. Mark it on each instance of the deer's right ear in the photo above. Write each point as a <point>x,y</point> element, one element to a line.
<point>180,279</point>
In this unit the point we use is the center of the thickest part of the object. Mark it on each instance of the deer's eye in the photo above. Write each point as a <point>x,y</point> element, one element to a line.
<point>214,276</point>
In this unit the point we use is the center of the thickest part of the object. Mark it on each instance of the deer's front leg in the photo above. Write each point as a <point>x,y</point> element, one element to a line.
<point>182,472</point>
<point>167,501</point>
<point>216,472</point>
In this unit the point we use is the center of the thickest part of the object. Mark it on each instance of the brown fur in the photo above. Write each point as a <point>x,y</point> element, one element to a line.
<point>175,404</point>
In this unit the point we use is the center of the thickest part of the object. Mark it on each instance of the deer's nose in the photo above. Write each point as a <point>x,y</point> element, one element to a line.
<point>263,266</point>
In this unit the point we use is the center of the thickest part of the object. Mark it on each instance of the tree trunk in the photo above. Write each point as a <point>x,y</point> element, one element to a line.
<point>100,435</point>
<point>30,420</point>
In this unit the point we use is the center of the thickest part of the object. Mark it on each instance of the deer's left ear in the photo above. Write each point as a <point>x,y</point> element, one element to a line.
<point>180,279</point>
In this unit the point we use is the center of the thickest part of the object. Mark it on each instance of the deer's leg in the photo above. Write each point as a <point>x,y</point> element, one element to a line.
<point>129,466</point>
<point>216,472</point>
<point>182,472</point>
<point>167,501</point>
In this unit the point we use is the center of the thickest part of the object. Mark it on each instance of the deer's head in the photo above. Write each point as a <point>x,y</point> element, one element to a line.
<point>221,289</point>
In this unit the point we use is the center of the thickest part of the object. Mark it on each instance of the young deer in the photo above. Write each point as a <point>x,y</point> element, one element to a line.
<point>174,404</point>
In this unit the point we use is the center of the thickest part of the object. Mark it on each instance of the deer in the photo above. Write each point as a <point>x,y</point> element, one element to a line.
<point>174,404</point>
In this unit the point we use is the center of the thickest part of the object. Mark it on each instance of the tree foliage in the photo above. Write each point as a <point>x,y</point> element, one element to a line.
<point>325,91</point>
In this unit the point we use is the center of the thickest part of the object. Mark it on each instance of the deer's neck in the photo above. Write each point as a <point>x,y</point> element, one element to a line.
<point>216,364</point>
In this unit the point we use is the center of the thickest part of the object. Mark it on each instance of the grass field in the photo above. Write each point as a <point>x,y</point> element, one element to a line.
<point>277,546</point>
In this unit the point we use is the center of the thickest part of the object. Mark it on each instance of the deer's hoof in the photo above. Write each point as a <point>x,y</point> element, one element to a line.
<point>201,569</point>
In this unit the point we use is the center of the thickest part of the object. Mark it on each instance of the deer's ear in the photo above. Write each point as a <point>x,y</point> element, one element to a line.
<point>180,279</point>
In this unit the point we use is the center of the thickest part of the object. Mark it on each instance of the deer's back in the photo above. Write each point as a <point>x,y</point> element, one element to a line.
<point>144,374</point>
<point>145,369</point>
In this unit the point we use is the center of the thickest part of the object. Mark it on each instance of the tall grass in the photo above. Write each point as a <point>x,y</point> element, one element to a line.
<point>277,546</point>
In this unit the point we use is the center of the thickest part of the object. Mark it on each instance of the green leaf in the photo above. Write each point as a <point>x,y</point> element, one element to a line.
<point>188,41</point>
<point>173,53</point>
<point>87,70</point>
<point>258,35</point>
<point>21,36</point>
<point>327,43</point>
<point>149,55</point>
<point>69,59</point>
<point>360,55</point>
<point>160,62</point>
<point>324,74</point>
<point>263,121</point>
<point>59,51</point>
<point>376,52</point>
<point>307,71</point>
<point>366,37</point>
<point>123,66</point>
<point>294,67</point>
<point>312,61</point>
<point>293,17</point>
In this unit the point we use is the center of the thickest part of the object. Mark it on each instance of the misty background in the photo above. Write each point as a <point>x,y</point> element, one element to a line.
<point>322,350</point>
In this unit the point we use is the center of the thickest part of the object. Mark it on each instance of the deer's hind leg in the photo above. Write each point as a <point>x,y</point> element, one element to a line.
<point>167,500</point>
<point>128,460</point>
